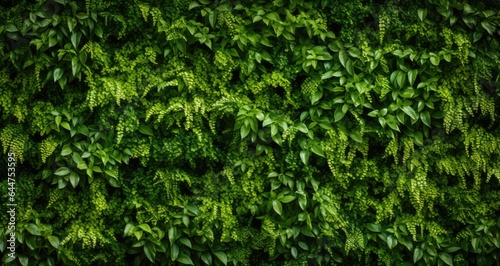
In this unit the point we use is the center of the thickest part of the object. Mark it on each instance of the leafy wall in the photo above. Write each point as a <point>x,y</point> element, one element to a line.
<point>252,132</point>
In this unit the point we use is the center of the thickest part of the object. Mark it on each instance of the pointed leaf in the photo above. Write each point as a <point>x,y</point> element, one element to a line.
<point>446,258</point>
<point>146,130</point>
<point>277,207</point>
<point>222,256</point>
<point>410,112</point>
<point>184,259</point>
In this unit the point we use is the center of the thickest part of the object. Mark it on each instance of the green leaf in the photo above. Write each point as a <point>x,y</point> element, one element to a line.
<point>343,58</point>
<point>417,254</point>
<point>293,250</point>
<point>488,27</point>
<point>338,114</point>
<point>446,258</point>
<point>66,125</point>
<point>54,241</point>
<point>277,207</point>
<point>422,13</point>
<point>410,112</point>
<point>11,28</point>
<point>304,156</point>
<point>287,199</point>
<point>222,256</point>
<point>23,260</point>
<point>377,228</point>
<point>303,245</point>
<point>66,150</point>
<point>426,118</point>
<point>174,252</point>
<point>356,136</point>
<point>33,229</point>
<point>184,259</point>
<point>330,74</point>
<point>435,60</point>
<point>74,178</point>
<point>145,227</point>
<point>391,241</point>
<point>75,39</point>
<point>150,251</point>
<point>98,31</point>
<point>412,76</point>
<point>316,97</point>
<point>245,130</point>
<point>146,130</point>
<point>317,149</point>
<point>58,73</point>
<point>52,41</point>
<point>62,171</point>
<point>185,241</point>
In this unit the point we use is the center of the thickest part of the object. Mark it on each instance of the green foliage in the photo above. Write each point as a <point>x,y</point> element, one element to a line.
<point>252,133</point>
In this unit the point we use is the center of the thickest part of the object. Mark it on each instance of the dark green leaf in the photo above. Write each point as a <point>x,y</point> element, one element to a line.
<point>222,256</point>
<point>58,73</point>
<point>33,229</point>
<point>146,130</point>
<point>446,258</point>
<point>410,112</point>
<point>184,259</point>
<point>277,207</point>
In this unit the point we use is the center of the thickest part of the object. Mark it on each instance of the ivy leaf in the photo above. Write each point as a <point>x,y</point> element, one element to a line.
<point>146,130</point>
<point>222,256</point>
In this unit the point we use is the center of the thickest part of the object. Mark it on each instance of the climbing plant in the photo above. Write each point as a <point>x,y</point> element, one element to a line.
<point>197,132</point>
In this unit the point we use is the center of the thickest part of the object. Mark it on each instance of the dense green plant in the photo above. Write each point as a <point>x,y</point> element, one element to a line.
<point>252,132</point>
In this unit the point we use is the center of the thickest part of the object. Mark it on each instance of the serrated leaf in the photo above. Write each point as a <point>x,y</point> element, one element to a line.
<point>146,130</point>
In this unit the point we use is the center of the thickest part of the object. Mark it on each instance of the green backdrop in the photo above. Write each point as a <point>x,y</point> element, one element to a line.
<point>233,132</point>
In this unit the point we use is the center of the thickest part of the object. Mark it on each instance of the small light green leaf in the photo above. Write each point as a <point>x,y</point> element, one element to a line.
<point>317,149</point>
<point>11,28</point>
<point>66,125</point>
<point>316,97</point>
<point>422,13</point>
<point>303,245</point>
<point>244,131</point>
<point>287,199</point>
<point>293,250</point>
<point>356,136</point>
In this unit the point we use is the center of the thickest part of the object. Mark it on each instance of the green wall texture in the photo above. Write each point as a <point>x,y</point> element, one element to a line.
<point>233,132</point>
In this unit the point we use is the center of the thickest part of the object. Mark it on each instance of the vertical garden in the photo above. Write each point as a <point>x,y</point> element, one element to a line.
<point>235,132</point>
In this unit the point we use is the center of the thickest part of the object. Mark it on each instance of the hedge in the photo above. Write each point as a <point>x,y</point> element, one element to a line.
<point>235,132</point>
